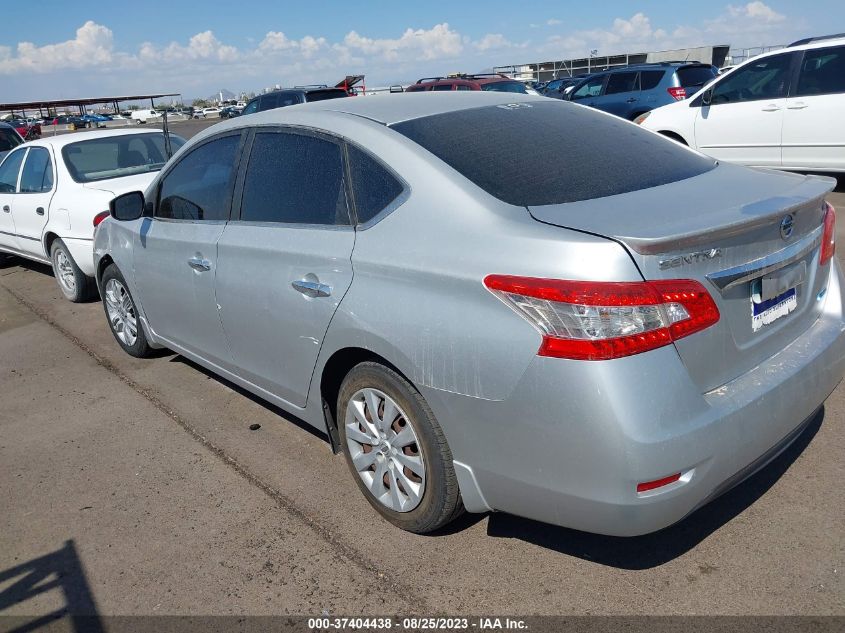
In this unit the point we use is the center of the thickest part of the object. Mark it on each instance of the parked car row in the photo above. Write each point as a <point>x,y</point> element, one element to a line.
<point>647,355</point>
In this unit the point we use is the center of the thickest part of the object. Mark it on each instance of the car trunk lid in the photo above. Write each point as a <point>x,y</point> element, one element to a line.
<point>729,238</point>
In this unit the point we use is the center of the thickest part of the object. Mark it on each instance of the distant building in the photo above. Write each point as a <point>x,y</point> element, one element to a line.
<point>546,71</point>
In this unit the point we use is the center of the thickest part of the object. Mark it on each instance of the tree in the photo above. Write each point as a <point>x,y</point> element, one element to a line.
<point>200,103</point>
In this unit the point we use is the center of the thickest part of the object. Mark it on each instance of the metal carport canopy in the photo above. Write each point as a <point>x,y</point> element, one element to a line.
<point>55,103</point>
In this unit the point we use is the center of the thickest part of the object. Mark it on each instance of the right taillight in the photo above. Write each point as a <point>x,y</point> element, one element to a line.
<point>678,94</point>
<point>829,235</point>
<point>586,320</point>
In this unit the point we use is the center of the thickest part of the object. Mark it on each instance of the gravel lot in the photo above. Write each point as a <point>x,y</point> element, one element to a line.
<point>141,484</point>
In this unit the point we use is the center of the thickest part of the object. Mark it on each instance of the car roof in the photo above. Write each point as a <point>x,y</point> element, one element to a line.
<point>392,109</point>
<point>305,90</point>
<point>60,141</point>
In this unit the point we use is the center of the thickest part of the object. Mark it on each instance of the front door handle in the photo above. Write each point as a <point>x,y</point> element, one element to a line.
<point>6,208</point>
<point>797,106</point>
<point>200,264</point>
<point>39,211</point>
<point>312,288</point>
<point>631,100</point>
<point>771,108</point>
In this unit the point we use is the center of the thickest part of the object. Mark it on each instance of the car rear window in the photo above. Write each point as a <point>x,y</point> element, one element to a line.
<point>323,95</point>
<point>117,156</point>
<point>539,153</point>
<point>694,76</point>
<point>505,86</point>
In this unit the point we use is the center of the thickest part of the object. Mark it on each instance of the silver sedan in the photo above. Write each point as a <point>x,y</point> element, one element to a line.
<point>492,301</point>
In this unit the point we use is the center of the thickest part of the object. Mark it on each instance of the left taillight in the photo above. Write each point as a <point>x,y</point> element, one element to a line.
<point>585,320</point>
<point>829,235</point>
<point>100,217</point>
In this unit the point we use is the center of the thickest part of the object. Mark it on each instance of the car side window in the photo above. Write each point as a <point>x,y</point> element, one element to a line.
<point>251,107</point>
<point>591,88</point>
<point>649,79</point>
<point>462,87</point>
<point>443,87</point>
<point>373,186</point>
<point>822,72</point>
<point>269,102</point>
<point>37,175</point>
<point>767,78</point>
<point>199,186</point>
<point>621,82</point>
<point>294,179</point>
<point>9,170</point>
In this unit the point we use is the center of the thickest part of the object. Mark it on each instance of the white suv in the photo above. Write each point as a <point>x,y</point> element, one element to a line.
<point>783,109</point>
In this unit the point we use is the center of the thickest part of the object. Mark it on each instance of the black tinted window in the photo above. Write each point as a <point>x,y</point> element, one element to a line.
<point>293,178</point>
<point>695,76</point>
<point>199,186</point>
<point>322,95</point>
<point>373,186</point>
<point>823,72</point>
<point>37,175</point>
<point>649,79</point>
<point>9,139</point>
<point>505,86</point>
<point>9,170</point>
<point>621,82</point>
<point>767,78</point>
<point>442,87</point>
<point>584,154</point>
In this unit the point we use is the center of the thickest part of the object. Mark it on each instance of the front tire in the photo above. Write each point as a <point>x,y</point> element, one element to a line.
<point>122,314</point>
<point>75,285</point>
<point>396,451</point>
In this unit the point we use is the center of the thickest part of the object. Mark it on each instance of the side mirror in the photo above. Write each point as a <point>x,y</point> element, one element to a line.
<point>707,97</point>
<point>395,89</point>
<point>129,206</point>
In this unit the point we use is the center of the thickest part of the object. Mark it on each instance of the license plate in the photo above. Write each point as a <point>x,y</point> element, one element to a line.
<point>765,312</point>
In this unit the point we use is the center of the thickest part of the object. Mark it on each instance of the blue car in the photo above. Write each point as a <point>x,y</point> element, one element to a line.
<point>630,91</point>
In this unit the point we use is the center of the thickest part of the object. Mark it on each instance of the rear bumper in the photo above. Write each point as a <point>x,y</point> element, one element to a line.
<point>572,441</point>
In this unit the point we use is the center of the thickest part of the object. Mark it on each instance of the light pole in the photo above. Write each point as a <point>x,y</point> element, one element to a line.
<point>593,53</point>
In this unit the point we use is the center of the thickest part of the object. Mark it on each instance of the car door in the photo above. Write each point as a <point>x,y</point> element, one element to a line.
<point>744,120</point>
<point>587,93</point>
<point>620,95</point>
<point>814,119</point>
<point>176,253</point>
<point>10,171</point>
<point>32,203</point>
<point>284,263</point>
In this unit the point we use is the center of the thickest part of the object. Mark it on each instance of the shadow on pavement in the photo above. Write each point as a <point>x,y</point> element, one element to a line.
<point>653,550</point>
<point>59,571</point>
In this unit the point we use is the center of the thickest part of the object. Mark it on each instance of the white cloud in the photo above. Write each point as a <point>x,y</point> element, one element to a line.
<point>92,46</point>
<point>492,41</point>
<point>438,42</point>
<point>553,22</point>
<point>756,11</point>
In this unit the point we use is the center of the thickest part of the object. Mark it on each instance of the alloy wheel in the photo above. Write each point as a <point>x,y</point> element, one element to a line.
<point>385,450</point>
<point>66,276</point>
<point>121,312</point>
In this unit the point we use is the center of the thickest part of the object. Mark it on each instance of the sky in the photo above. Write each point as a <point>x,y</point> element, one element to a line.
<point>196,49</point>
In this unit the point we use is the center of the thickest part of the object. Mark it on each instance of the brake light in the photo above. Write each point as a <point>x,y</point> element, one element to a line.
<point>102,215</point>
<point>829,235</point>
<point>586,320</point>
<point>678,94</point>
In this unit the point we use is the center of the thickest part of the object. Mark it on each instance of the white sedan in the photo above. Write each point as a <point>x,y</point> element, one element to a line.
<point>782,109</point>
<point>56,190</point>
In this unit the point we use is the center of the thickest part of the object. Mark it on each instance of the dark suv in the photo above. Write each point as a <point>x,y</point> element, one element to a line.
<point>630,91</point>
<point>494,82</point>
<point>291,96</point>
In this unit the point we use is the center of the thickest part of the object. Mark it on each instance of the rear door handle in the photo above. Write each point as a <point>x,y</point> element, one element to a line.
<point>6,208</point>
<point>631,100</point>
<point>797,106</point>
<point>200,264</point>
<point>771,108</point>
<point>39,211</point>
<point>312,288</point>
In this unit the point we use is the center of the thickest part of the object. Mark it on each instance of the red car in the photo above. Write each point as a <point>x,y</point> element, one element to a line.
<point>27,131</point>
<point>495,82</point>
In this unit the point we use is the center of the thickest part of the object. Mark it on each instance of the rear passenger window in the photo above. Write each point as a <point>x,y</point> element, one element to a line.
<point>822,72</point>
<point>294,179</point>
<point>649,79</point>
<point>9,170</point>
<point>621,82</point>
<point>268,102</point>
<point>37,176</point>
<point>442,87</point>
<point>199,187</point>
<point>373,186</point>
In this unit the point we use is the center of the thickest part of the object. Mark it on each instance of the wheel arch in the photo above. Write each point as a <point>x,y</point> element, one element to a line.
<point>49,238</point>
<point>674,136</point>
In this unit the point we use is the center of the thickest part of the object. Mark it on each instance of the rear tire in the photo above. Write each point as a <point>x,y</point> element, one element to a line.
<point>75,285</point>
<point>122,314</point>
<point>379,449</point>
